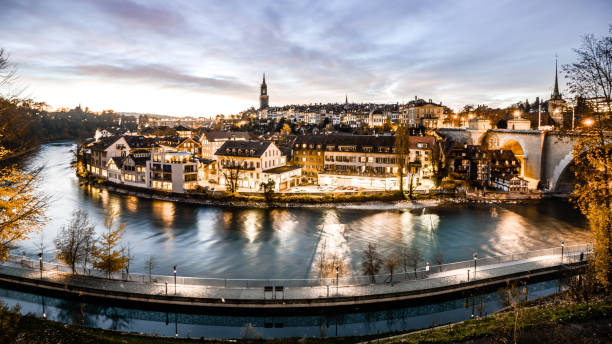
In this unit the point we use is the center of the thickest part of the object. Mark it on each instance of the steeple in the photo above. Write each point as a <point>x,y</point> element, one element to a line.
<point>556,94</point>
<point>346,99</point>
<point>263,94</point>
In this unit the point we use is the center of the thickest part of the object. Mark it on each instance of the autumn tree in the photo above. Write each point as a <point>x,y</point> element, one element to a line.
<point>108,254</point>
<point>22,207</point>
<point>590,77</point>
<point>73,240</point>
<point>371,262</point>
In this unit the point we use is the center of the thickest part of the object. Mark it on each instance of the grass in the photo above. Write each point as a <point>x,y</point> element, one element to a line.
<point>498,327</point>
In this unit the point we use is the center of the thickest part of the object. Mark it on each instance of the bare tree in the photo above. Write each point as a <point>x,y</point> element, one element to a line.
<point>590,77</point>
<point>371,262</point>
<point>439,259</point>
<point>72,239</point>
<point>402,151</point>
<point>149,265</point>
<point>232,171</point>
<point>391,262</point>
<point>321,260</point>
<point>130,257</point>
<point>411,257</point>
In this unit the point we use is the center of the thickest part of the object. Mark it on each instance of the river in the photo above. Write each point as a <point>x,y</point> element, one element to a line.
<point>282,243</point>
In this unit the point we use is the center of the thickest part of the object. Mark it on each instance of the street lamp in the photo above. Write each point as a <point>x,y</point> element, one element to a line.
<point>562,247</point>
<point>337,279</point>
<point>475,259</point>
<point>175,280</point>
<point>41,263</point>
<point>589,122</point>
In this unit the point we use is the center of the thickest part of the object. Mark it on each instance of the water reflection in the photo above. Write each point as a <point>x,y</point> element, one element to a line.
<point>282,243</point>
<point>225,326</point>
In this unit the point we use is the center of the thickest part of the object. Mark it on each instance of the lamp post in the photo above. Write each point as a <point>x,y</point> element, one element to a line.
<point>573,115</point>
<point>175,280</point>
<point>475,259</point>
<point>337,279</point>
<point>40,263</point>
<point>562,247</point>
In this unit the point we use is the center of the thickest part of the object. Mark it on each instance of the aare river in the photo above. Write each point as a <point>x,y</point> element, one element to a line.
<point>282,243</point>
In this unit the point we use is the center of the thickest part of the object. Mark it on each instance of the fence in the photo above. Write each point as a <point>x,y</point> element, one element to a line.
<point>422,278</point>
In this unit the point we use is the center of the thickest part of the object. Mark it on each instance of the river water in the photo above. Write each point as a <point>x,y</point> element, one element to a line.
<point>282,243</point>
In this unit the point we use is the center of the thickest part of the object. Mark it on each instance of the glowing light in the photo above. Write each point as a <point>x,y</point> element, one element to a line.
<point>517,114</point>
<point>589,122</point>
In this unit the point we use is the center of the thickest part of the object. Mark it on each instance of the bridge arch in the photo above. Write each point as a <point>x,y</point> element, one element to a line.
<point>517,147</point>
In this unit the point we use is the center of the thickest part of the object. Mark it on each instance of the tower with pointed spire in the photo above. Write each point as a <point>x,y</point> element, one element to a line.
<point>556,104</point>
<point>263,94</point>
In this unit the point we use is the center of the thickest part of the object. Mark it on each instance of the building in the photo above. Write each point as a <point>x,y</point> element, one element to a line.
<point>250,163</point>
<point>211,141</point>
<point>510,184</point>
<point>412,114</point>
<point>363,161</point>
<point>481,166</point>
<point>172,171</point>
<point>263,95</point>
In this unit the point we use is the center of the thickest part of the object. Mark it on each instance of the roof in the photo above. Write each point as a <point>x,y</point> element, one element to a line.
<point>282,169</point>
<point>182,128</point>
<point>138,161</point>
<point>360,141</point>
<point>226,135</point>
<point>117,160</point>
<point>243,148</point>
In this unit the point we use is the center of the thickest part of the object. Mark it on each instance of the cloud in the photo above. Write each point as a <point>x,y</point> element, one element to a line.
<point>162,75</point>
<point>312,51</point>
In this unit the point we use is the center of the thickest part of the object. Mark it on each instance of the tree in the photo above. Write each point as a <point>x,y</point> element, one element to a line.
<point>285,130</point>
<point>149,265</point>
<point>129,258</point>
<point>438,164</point>
<point>371,262</point>
<point>391,262</point>
<point>268,189</point>
<point>109,257</point>
<point>591,77</point>
<point>411,257</point>
<point>439,259</point>
<point>72,242</point>
<point>232,172</point>
<point>402,149</point>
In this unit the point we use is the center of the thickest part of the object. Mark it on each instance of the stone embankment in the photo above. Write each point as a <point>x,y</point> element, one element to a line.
<point>356,201</point>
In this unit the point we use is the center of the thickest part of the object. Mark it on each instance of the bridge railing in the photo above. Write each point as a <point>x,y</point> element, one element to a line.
<point>424,277</point>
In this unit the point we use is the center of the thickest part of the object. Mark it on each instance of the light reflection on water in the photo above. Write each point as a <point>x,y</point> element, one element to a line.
<point>282,243</point>
<point>226,326</point>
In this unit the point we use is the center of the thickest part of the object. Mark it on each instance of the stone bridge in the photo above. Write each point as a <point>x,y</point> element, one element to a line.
<point>544,155</point>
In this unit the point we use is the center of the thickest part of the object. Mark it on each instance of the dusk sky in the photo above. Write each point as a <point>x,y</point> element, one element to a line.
<point>203,58</point>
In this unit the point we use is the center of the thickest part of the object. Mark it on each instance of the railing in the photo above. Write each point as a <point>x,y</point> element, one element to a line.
<point>422,278</point>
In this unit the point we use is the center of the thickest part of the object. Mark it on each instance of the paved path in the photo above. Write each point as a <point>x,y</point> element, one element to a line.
<point>430,281</point>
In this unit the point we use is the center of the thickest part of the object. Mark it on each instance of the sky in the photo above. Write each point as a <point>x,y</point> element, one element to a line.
<point>202,58</point>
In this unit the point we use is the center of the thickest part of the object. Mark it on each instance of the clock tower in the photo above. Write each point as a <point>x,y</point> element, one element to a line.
<point>263,95</point>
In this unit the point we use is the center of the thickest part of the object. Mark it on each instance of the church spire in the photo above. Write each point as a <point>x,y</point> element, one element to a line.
<point>264,79</point>
<point>556,94</point>
<point>345,98</point>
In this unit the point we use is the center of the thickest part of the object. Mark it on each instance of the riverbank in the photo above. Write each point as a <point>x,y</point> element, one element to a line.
<point>384,200</point>
<point>285,296</point>
<point>546,320</point>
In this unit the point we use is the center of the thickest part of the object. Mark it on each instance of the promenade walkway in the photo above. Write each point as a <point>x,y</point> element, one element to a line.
<point>252,291</point>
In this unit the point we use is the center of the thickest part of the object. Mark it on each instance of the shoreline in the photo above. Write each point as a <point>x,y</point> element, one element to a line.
<point>372,201</point>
